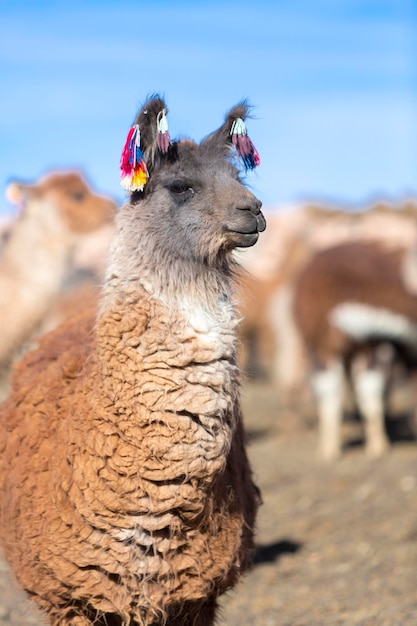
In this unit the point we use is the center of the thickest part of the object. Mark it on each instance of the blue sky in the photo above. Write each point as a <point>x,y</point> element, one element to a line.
<point>333,84</point>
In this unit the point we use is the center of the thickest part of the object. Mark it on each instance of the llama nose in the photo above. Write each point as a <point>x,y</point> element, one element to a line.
<point>257,207</point>
<point>254,207</point>
<point>251,203</point>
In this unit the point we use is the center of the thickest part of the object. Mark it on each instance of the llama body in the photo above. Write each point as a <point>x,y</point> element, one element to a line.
<point>56,214</point>
<point>355,315</point>
<point>168,452</point>
<point>141,496</point>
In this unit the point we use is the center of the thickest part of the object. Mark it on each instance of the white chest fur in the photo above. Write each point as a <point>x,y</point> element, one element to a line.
<point>212,328</point>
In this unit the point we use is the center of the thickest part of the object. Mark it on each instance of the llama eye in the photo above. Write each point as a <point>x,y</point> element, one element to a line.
<point>78,196</point>
<point>179,189</point>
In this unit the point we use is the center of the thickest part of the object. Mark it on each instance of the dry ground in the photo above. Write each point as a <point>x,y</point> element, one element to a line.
<point>337,546</point>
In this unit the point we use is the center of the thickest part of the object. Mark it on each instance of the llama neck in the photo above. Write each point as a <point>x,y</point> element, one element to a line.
<point>202,293</point>
<point>177,313</point>
<point>196,310</point>
<point>32,267</point>
<point>166,313</point>
<point>37,251</point>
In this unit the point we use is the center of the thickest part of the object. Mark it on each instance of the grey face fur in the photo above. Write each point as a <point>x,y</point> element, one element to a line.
<point>194,206</point>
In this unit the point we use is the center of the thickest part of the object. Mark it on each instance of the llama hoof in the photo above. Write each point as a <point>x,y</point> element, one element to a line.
<point>376,450</point>
<point>330,455</point>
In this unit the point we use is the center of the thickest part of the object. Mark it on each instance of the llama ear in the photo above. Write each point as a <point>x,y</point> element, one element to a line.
<point>146,141</point>
<point>234,132</point>
<point>13,193</point>
<point>18,193</point>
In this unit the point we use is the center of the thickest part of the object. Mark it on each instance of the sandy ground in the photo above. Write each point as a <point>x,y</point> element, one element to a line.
<point>336,545</point>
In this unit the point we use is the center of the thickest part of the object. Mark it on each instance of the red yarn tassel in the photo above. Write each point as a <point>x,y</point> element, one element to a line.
<point>134,173</point>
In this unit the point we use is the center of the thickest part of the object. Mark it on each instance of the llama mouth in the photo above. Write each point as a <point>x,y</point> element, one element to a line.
<point>261,222</point>
<point>246,235</point>
<point>256,225</point>
<point>240,239</point>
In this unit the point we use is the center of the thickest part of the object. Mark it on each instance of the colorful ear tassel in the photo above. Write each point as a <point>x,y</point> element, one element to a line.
<point>244,146</point>
<point>163,138</point>
<point>134,173</point>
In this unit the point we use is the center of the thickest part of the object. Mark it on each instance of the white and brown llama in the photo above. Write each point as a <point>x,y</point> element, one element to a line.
<point>58,217</point>
<point>295,234</point>
<point>356,315</point>
<point>125,489</point>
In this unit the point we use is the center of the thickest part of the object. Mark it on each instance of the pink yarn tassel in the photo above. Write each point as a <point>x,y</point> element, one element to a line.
<point>163,137</point>
<point>243,144</point>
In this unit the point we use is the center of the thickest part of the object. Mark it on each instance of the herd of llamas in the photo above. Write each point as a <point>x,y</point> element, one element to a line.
<point>125,332</point>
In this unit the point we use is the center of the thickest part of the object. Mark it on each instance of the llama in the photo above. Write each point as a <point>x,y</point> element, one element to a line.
<point>126,492</point>
<point>57,215</point>
<point>295,234</point>
<point>357,316</point>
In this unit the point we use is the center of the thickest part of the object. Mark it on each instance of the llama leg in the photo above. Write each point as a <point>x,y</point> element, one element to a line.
<point>328,387</point>
<point>290,362</point>
<point>369,388</point>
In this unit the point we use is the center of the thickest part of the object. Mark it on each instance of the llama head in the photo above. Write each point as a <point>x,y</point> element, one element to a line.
<point>67,196</point>
<point>193,203</point>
